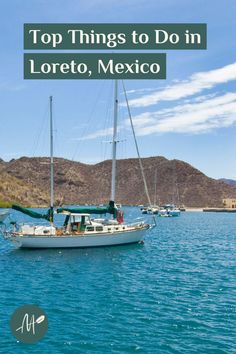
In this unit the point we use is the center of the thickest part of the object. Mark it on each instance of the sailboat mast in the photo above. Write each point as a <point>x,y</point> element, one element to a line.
<point>51,164</point>
<point>114,143</point>
<point>155,188</point>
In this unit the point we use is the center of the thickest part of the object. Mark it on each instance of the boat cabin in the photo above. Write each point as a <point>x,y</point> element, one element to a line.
<point>76,222</point>
<point>82,223</point>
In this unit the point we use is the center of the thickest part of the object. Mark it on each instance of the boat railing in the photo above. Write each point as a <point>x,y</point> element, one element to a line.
<point>142,221</point>
<point>7,234</point>
<point>14,226</point>
<point>137,223</point>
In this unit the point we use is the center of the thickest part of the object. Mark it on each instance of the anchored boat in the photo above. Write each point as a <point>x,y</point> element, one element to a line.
<point>169,210</point>
<point>150,210</point>
<point>79,228</point>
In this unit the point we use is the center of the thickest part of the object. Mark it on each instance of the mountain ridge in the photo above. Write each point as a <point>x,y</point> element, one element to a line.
<point>229,181</point>
<point>26,181</point>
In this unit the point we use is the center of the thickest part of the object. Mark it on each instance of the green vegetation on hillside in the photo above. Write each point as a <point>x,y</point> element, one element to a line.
<point>4,204</point>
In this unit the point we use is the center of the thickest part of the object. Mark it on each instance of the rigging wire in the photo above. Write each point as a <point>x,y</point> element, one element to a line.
<point>89,121</point>
<point>55,130</point>
<point>136,145</point>
<point>107,125</point>
<point>125,138</point>
<point>84,132</point>
<point>41,129</point>
<point>105,155</point>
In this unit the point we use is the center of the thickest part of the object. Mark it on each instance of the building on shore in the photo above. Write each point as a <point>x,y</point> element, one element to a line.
<point>229,203</point>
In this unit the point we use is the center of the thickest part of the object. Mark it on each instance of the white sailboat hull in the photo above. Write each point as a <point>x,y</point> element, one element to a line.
<point>79,241</point>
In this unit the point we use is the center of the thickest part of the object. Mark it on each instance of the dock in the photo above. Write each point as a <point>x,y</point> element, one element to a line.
<point>220,210</point>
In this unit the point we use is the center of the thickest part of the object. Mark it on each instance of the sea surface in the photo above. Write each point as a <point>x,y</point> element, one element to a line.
<point>176,293</point>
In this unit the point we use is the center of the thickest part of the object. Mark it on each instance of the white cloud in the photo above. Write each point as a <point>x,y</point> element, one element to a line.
<point>197,117</point>
<point>195,84</point>
<point>192,115</point>
<point>202,115</point>
<point>11,86</point>
<point>140,91</point>
<point>97,134</point>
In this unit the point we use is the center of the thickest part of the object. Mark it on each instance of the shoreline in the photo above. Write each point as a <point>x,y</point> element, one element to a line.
<point>194,209</point>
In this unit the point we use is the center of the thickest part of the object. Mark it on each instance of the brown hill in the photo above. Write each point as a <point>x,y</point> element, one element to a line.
<point>232,182</point>
<point>26,181</point>
<point>13,190</point>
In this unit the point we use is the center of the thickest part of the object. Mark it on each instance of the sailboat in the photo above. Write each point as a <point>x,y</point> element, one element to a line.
<point>169,210</point>
<point>154,208</point>
<point>79,228</point>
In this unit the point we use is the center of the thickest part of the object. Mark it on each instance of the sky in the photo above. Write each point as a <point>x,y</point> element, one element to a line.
<point>190,116</point>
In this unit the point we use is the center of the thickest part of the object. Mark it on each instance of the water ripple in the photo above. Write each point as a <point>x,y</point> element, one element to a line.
<point>174,294</point>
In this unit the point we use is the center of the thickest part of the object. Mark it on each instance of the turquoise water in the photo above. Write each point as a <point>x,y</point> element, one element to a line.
<point>174,294</point>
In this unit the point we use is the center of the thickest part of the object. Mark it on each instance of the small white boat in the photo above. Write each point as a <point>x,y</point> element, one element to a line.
<point>168,210</point>
<point>150,210</point>
<point>119,206</point>
<point>144,210</point>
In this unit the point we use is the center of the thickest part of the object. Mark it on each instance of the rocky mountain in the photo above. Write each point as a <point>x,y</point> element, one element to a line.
<point>26,181</point>
<point>232,182</point>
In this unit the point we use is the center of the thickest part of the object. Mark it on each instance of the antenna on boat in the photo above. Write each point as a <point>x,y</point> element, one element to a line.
<point>51,164</point>
<point>114,143</point>
<point>136,145</point>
